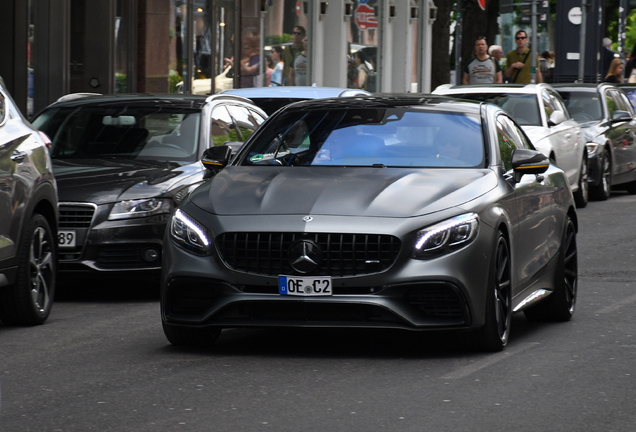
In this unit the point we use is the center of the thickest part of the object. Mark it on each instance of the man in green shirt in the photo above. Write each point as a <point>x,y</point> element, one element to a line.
<point>519,62</point>
<point>291,51</point>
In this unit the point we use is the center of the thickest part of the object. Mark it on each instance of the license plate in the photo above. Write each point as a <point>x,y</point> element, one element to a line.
<point>66,239</point>
<point>305,286</point>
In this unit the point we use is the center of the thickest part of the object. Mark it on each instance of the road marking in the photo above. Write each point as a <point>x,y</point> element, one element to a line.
<point>490,360</point>
<point>617,305</point>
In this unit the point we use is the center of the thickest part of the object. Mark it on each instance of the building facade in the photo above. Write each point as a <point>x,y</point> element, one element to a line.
<point>204,46</point>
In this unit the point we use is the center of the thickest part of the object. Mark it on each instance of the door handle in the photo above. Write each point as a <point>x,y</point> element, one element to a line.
<point>18,156</point>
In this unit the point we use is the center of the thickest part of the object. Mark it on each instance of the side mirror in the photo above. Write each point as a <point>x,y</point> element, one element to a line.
<point>216,158</point>
<point>556,118</point>
<point>525,161</point>
<point>620,115</point>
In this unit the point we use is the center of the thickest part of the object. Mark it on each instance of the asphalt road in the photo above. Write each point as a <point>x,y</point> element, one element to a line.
<point>101,363</point>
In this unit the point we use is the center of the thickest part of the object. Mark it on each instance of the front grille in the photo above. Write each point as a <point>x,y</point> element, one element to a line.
<point>76,216</point>
<point>342,254</point>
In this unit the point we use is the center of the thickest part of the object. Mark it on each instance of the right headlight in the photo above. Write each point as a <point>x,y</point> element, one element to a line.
<point>592,147</point>
<point>189,234</point>
<point>446,236</point>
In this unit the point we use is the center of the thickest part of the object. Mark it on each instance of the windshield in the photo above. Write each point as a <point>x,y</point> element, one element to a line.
<point>583,106</point>
<point>391,137</point>
<point>151,133</point>
<point>523,107</point>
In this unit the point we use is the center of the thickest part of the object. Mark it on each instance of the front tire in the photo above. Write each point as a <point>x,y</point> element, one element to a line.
<point>29,301</point>
<point>493,336</point>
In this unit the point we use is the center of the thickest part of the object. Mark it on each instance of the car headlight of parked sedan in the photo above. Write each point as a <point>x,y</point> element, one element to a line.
<point>140,208</point>
<point>189,234</point>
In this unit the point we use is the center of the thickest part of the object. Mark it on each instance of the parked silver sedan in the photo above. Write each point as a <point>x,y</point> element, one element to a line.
<point>542,114</point>
<point>403,212</point>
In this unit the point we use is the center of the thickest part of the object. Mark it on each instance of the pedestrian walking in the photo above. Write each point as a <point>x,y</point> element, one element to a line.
<point>482,68</point>
<point>519,62</point>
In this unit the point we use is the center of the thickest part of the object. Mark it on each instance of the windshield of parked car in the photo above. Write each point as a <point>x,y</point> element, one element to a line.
<point>129,132</point>
<point>380,137</point>
<point>523,107</point>
<point>583,106</point>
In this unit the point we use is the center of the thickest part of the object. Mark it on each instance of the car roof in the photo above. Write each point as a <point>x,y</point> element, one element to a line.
<point>295,92</point>
<point>434,102</point>
<point>168,99</point>
<point>588,87</point>
<point>490,88</point>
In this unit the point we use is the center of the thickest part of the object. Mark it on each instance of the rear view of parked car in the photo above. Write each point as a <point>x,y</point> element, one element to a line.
<point>28,219</point>
<point>607,118</point>
<point>123,162</point>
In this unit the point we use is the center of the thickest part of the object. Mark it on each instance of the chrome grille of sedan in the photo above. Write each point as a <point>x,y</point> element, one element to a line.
<point>75,216</point>
<point>342,254</point>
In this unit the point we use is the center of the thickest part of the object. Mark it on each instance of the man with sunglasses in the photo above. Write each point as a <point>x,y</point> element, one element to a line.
<point>291,51</point>
<point>519,62</point>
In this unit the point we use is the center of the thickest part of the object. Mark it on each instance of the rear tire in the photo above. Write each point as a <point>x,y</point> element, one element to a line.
<point>581,196</point>
<point>191,336</point>
<point>29,301</point>
<point>560,305</point>
<point>493,336</point>
<point>603,190</point>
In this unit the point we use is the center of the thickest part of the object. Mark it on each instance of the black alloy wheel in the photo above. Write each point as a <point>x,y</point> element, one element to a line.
<point>560,305</point>
<point>496,331</point>
<point>30,300</point>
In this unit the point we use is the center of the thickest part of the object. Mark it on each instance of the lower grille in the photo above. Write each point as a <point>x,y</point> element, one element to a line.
<point>438,301</point>
<point>128,256</point>
<point>342,254</point>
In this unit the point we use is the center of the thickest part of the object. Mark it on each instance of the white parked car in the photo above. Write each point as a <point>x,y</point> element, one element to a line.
<point>543,116</point>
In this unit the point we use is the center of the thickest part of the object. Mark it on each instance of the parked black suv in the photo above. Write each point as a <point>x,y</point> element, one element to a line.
<point>28,214</point>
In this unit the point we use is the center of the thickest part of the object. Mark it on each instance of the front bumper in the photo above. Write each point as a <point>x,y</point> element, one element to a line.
<point>131,245</point>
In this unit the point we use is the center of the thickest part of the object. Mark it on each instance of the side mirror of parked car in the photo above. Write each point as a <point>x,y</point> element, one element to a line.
<point>216,158</point>
<point>620,115</point>
<point>526,161</point>
<point>556,118</point>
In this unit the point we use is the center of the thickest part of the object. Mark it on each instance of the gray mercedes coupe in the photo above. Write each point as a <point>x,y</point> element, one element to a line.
<point>403,212</point>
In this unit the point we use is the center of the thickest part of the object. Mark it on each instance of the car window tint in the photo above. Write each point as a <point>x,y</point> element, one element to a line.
<point>621,103</point>
<point>583,106</point>
<point>257,117</point>
<point>506,142</point>
<point>558,104</point>
<point>367,137</point>
<point>223,128</point>
<point>244,120</point>
<point>611,104</point>
<point>523,107</point>
<point>124,131</point>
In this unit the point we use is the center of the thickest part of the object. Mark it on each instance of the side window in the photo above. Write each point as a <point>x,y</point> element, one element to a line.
<point>558,104</point>
<point>621,103</point>
<point>506,143</point>
<point>244,119</point>
<point>222,128</point>
<point>548,103</point>
<point>611,104</point>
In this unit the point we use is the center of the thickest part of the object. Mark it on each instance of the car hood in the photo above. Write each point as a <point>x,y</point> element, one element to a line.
<point>379,192</point>
<point>593,129</point>
<point>108,180</point>
<point>536,133</point>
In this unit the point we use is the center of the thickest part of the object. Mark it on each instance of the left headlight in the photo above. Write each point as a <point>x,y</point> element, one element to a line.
<point>140,208</point>
<point>446,236</point>
<point>189,234</point>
